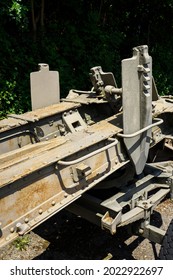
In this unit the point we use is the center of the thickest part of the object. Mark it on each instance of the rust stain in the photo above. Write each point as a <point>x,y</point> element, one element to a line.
<point>98,161</point>
<point>29,151</point>
<point>51,110</point>
<point>26,199</point>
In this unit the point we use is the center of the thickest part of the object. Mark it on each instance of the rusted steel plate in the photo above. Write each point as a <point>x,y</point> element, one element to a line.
<point>13,122</point>
<point>59,148</point>
<point>43,193</point>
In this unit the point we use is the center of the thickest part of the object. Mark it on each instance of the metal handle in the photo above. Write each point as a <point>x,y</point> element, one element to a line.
<point>158,121</point>
<point>114,142</point>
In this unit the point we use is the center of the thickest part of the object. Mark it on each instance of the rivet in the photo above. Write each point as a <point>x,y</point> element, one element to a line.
<point>141,231</point>
<point>12,229</point>
<point>26,220</point>
<point>53,203</point>
<point>40,211</point>
<point>65,195</point>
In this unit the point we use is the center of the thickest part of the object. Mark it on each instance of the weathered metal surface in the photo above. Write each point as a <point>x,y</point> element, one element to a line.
<point>33,127</point>
<point>53,155</point>
<point>137,104</point>
<point>131,203</point>
<point>32,178</point>
<point>34,116</point>
<point>45,89</point>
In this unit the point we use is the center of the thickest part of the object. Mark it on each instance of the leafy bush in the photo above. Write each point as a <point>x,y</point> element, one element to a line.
<point>73,36</point>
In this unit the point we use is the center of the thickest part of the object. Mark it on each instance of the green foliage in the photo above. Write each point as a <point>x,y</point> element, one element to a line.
<point>73,36</point>
<point>18,12</point>
<point>22,242</point>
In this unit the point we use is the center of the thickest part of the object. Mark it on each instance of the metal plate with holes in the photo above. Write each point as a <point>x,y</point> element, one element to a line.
<point>137,104</point>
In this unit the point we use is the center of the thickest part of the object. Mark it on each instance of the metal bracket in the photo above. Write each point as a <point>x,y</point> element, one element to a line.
<point>107,222</point>
<point>80,171</point>
<point>152,233</point>
<point>101,79</point>
<point>22,228</point>
<point>73,121</point>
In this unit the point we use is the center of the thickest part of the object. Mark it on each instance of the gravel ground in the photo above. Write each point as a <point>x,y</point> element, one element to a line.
<point>67,237</point>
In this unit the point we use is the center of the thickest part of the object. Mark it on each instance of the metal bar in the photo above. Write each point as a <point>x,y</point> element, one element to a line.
<point>23,118</point>
<point>114,142</point>
<point>159,121</point>
<point>153,233</point>
<point>19,134</point>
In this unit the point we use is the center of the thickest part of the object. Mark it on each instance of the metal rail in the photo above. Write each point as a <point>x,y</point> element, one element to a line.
<point>158,121</point>
<point>67,163</point>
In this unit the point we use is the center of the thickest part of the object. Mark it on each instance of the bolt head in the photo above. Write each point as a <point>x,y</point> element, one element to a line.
<point>12,229</point>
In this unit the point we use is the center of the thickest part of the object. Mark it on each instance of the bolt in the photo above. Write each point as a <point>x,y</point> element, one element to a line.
<point>18,225</point>
<point>141,231</point>
<point>12,229</point>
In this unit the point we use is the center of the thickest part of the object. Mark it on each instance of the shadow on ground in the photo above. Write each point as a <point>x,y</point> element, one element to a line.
<point>74,238</point>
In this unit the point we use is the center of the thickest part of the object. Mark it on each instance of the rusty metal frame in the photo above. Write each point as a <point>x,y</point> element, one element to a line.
<point>108,214</point>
